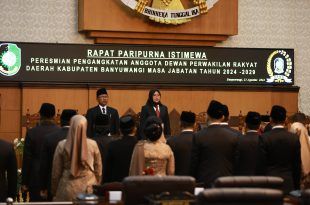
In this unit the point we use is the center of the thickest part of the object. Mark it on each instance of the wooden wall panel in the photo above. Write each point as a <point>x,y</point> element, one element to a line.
<point>62,98</point>
<point>289,100</point>
<point>245,101</point>
<point>10,109</point>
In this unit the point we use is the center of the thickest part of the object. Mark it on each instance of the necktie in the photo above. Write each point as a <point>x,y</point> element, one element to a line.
<point>103,110</point>
<point>157,111</point>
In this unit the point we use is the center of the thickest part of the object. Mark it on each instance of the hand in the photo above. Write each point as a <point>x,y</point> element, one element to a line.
<point>43,194</point>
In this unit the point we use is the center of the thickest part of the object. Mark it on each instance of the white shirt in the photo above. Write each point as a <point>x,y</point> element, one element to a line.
<point>105,109</point>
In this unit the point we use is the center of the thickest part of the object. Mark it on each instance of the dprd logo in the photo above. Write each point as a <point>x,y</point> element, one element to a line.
<point>279,67</point>
<point>10,59</point>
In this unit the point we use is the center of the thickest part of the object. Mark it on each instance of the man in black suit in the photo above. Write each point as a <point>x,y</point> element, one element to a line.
<point>119,152</point>
<point>181,145</point>
<point>282,151</point>
<point>49,146</point>
<point>102,136</point>
<point>32,151</point>
<point>8,171</point>
<point>213,148</point>
<point>103,109</point>
<point>248,147</point>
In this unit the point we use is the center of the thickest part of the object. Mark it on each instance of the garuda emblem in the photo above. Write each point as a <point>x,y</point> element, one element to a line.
<point>170,11</point>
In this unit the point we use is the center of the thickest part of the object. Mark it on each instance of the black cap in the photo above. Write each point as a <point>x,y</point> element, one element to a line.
<point>253,118</point>
<point>102,119</point>
<point>188,117</point>
<point>225,111</point>
<point>127,122</point>
<point>66,115</point>
<point>215,110</point>
<point>278,113</point>
<point>101,91</point>
<point>47,110</point>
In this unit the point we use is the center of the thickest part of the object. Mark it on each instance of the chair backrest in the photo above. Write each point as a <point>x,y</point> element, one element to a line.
<point>305,197</point>
<point>250,181</point>
<point>238,196</point>
<point>102,190</point>
<point>137,187</point>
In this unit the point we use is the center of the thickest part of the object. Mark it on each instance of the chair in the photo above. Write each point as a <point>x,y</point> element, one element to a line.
<point>137,187</point>
<point>238,196</point>
<point>250,182</point>
<point>103,190</point>
<point>305,197</point>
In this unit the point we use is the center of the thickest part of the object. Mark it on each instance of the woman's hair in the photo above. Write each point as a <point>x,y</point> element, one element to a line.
<point>153,129</point>
<point>150,99</point>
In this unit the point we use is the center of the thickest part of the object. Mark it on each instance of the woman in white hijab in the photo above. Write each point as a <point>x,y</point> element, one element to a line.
<point>77,163</point>
<point>298,127</point>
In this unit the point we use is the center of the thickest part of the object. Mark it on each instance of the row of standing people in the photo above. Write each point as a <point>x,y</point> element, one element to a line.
<point>41,141</point>
<point>195,167</point>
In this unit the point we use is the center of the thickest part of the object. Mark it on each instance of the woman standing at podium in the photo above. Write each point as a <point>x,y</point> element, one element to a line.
<point>154,107</point>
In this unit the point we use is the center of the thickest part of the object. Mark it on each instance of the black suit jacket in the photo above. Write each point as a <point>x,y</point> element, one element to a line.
<point>282,157</point>
<point>248,154</point>
<point>91,116</point>
<point>233,130</point>
<point>213,154</point>
<point>8,171</point>
<point>103,142</point>
<point>118,159</point>
<point>148,110</point>
<point>181,146</point>
<point>32,153</point>
<point>46,162</point>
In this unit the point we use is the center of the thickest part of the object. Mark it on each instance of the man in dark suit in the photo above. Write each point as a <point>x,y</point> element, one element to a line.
<point>8,171</point>
<point>248,147</point>
<point>119,152</point>
<point>49,146</point>
<point>282,151</point>
<point>225,120</point>
<point>102,136</point>
<point>32,151</point>
<point>213,148</point>
<point>103,109</point>
<point>181,145</point>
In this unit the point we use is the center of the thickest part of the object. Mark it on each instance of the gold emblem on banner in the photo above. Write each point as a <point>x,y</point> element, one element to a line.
<point>279,67</point>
